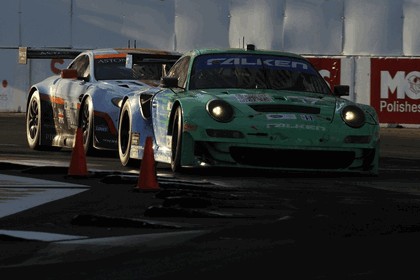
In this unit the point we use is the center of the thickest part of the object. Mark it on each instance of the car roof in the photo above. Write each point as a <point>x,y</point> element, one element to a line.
<point>134,51</point>
<point>197,52</point>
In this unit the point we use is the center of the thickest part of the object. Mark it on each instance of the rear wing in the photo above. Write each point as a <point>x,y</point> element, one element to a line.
<point>138,55</point>
<point>26,53</point>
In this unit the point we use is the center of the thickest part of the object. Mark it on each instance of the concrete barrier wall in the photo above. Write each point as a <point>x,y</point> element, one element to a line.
<point>353,30</point>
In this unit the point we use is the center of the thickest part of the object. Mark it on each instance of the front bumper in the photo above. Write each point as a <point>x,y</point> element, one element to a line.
<point>315,151</point>
<point>218,154</point>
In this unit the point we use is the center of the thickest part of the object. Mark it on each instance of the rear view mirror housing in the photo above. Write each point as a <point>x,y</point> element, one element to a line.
<point>341,90</point>
<point>69,74</point>
<point>169,82</point>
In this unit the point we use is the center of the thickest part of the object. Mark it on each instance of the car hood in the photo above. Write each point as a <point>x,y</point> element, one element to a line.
<point>121,86</point>
<point>279,103</point>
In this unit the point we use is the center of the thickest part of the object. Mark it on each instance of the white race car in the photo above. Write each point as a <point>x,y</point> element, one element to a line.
<point>87,94</point>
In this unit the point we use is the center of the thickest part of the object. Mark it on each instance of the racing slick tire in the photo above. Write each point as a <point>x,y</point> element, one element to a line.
<point>86,124</point>
<point>177,141</point>
<point>124,137</point>
<point>34,124</point>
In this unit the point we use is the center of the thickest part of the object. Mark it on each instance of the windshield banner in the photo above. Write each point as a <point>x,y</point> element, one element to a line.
<point>253,61</point>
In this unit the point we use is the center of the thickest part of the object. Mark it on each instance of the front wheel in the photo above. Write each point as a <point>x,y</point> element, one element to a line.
<point>87,126</point>
<point>33,121</point>
<point>124,137</point>
<point>177,141</point>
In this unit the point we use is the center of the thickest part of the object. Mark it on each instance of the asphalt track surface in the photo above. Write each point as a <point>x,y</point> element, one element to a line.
<point>206,225</point>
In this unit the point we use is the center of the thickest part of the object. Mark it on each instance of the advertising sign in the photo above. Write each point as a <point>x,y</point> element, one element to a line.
<point>329,68</point>
<point>395,89</point>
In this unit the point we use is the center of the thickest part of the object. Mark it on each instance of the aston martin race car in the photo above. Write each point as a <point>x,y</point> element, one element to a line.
<point>249,108</point>
<point>88,94</point>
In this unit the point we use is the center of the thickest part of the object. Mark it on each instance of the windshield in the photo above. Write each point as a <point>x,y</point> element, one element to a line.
<point>114,68</point>
<point>255,71</point>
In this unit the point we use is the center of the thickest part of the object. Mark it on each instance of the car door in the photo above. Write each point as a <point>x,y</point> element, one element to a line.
<point>68,95</point>
<point>163,101</point>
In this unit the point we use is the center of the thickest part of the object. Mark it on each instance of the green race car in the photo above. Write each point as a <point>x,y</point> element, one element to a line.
<point>249,109</point>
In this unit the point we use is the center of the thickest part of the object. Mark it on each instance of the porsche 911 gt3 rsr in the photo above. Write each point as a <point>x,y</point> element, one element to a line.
<point>88,93</point>
<point>249,109</point>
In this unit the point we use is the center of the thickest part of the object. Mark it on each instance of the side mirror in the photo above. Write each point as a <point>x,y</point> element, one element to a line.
<point>169,82</point>
<point>69,74</point>
<point>341,90</point>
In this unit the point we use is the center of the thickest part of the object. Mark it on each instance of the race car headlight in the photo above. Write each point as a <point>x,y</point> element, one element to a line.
<point>353,116</point>
<point>117,101</point>
<point>220,110</point>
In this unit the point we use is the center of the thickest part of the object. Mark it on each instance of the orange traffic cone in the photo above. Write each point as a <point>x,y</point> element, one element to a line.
<point>78,167</point>
<point>147,179</point>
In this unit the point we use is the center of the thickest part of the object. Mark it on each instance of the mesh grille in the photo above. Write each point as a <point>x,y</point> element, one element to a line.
<point>293,158</point>
<point>278,108</point>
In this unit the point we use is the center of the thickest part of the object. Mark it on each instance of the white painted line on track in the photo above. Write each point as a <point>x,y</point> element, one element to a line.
<point>396,186</point>
<point>21,193</point>
<point>99,248</point>
<point>40,236</point>
<point>37,162</point>
<point>399,169</point>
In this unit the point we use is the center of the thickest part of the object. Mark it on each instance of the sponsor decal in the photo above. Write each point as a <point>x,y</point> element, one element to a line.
<point>110,58</point>
<point>101,128</point>
<point>135,139</point>
<point>281,116</point>
<point>56,100</point>
<point>329,68</point>
<point>297,126</point>
<point>110,61</point>
<point>395,89</point>
<point>253,61</point>
<point>253,98</point>
<point>303,99</point>
<point>257,61</point>
<point>109,141</point>
<point>307,117</point>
